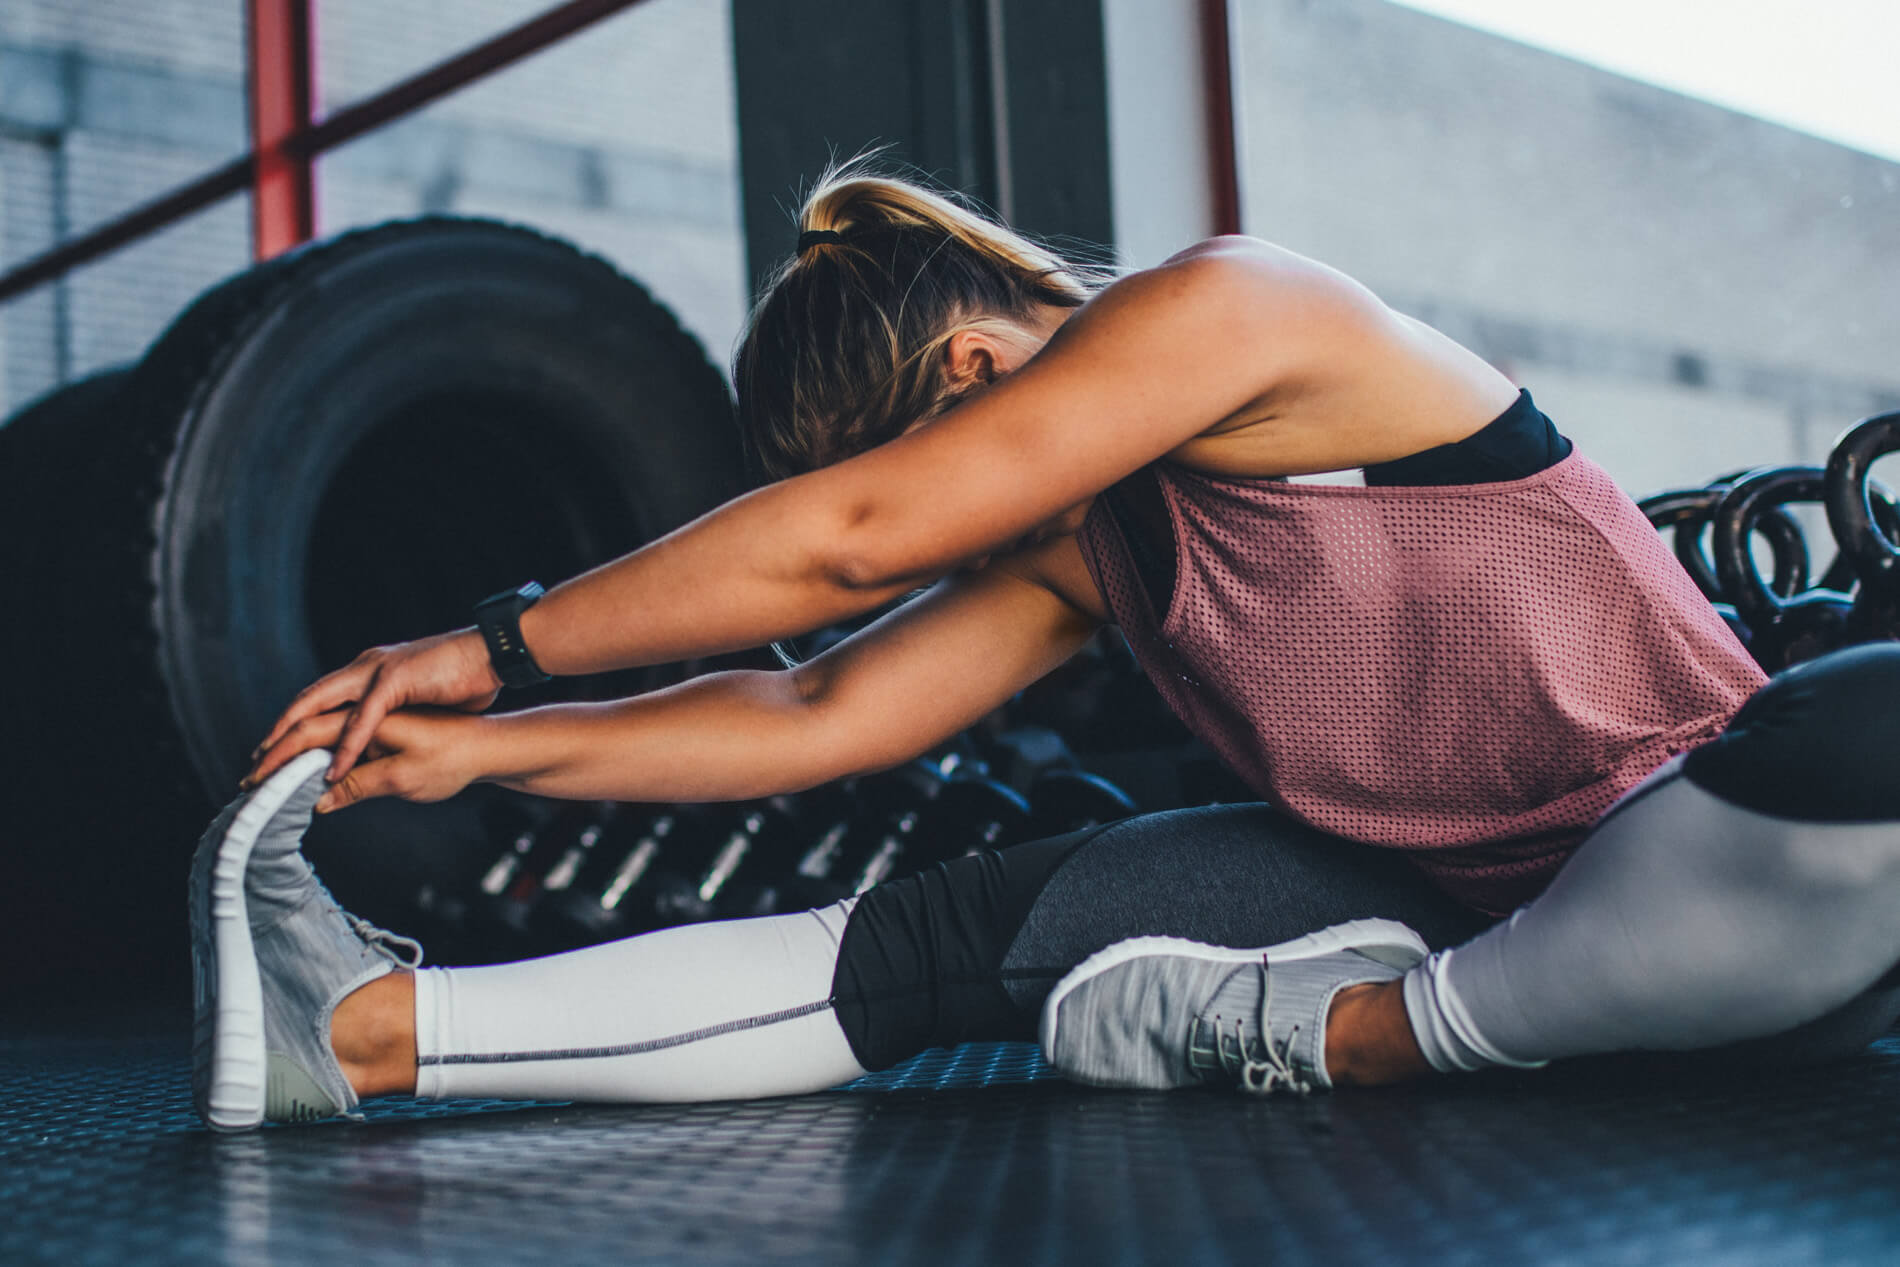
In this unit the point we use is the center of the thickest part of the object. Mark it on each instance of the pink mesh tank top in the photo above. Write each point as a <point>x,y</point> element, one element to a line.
<point>1471,673</point>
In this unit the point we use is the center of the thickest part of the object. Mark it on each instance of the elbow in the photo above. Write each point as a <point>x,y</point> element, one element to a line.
<point>865,556</point>
<point>806,687</point>
<point>857,572</point>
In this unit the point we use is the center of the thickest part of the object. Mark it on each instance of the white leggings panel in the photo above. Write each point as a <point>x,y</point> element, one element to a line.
<point>1683,922</point>
<point>718,1011</point>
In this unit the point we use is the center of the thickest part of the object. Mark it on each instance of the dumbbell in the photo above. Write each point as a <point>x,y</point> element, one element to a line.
<point>1070,800</point>
<point>579,849</point>
<point>800,874</point>
<point>1016,756</point>
<point>493,919</point>
<point>973,814</point>
<point>723,842</point>
<point>1869,539</point>
<point>610,895</point>
<point>890,836</point>
<point>902,821</point>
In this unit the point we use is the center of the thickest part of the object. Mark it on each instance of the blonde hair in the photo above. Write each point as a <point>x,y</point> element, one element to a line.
<point>845,349</point>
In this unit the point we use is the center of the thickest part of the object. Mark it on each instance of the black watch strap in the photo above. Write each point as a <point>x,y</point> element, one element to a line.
<point>499,619</point>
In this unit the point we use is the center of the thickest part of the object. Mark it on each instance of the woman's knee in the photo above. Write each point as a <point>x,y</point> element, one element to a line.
<point>1816,743</point>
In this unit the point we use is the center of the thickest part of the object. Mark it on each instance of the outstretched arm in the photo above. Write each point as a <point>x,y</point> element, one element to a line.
<point>920,675</point>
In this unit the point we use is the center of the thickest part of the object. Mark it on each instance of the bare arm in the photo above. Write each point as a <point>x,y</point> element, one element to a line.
<point>1156,359</point>
<point>896,689</point>
<point>1153,361</point>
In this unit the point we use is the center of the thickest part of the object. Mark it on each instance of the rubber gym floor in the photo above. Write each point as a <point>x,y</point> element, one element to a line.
<point>978,1155</point>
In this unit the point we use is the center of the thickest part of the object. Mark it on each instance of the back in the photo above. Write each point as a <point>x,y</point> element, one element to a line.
<point>1472,672</point>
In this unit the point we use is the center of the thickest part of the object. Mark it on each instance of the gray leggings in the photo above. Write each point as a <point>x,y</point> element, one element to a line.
<point>1744,897</point>
<point>1747,897</point>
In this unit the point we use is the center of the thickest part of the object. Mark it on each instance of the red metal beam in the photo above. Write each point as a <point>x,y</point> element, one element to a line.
<point>1217,77</point>
<point>484,59</point>
<point>213,186</point>
<point>282,79</point>
<point>346,125</point>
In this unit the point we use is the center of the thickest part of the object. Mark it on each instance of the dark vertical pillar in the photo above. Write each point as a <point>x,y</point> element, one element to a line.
<point>1005,100</point>
<point>1055,95</point>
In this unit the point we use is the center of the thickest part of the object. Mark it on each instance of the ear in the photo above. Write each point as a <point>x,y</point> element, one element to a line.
<point>975,357</point>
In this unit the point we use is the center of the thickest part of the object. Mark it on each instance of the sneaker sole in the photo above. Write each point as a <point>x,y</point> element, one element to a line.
<point>228,1059</point>
<point>1381,940</point>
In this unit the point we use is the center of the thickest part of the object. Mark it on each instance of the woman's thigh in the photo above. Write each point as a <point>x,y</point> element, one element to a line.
<point>1230,875</point>
<point>1744,894</point>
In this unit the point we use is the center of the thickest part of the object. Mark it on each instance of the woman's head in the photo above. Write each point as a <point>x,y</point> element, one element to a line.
<point>849,346</point>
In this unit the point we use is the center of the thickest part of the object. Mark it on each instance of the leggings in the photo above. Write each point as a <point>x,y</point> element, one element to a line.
<point>1741,899</point>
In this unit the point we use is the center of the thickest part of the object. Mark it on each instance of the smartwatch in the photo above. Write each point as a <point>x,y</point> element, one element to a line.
<point>499,618</point>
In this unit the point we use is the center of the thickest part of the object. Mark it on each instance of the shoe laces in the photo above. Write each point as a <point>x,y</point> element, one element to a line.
<point>396,948</point>
<point>406,951</point>
<point>1263,1067</point>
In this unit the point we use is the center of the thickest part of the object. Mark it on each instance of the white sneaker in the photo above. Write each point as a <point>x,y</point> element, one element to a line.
<point>272,954</point>
<point>1165,1012</point>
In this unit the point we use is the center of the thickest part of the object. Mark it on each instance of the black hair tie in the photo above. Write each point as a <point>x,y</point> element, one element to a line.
<point>812,237</point>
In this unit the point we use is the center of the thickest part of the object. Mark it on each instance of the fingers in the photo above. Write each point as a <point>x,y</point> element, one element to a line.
<point>326,693</point>
<point>374,778</point>
<point>321,731</point>
<point>361,727</point>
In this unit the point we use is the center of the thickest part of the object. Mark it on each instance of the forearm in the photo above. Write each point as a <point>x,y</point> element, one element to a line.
<point>762,567</point>
<point>722,737</point>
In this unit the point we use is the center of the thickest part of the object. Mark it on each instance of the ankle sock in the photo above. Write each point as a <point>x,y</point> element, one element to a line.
<point>1443,1027</point>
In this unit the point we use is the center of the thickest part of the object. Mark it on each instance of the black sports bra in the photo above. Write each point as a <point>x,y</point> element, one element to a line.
<point>1520,441</point>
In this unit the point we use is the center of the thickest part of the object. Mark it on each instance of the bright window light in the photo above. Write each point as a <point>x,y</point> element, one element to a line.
<point>1824,67</point>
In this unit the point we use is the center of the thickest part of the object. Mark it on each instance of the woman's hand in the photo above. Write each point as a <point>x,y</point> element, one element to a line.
<point>419,755</point>
<point>446,671</point>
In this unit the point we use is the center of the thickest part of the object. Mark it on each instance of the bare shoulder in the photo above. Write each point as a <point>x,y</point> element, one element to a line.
<point>1274,283</point>
<point>1352,381</point>
<point>1230,293</point>
<point>1276,315</point>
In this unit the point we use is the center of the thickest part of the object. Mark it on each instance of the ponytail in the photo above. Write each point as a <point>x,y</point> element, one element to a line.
<point>845,349</point>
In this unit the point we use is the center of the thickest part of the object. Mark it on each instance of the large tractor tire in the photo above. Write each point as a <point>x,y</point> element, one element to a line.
<point>346,446</point>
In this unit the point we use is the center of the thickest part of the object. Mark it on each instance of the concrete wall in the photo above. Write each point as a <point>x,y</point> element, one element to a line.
<point>1685,289</point>
<point>621,139</point>
<point>103,106</point>
<point>1157,128</point>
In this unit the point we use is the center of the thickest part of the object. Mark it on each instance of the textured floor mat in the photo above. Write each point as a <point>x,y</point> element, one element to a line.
<point>974,1156</point>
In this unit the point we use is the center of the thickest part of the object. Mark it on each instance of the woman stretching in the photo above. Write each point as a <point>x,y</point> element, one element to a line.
<point>1440,681</point>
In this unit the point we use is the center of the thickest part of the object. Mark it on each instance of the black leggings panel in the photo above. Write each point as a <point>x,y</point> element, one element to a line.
<point>968,950</point>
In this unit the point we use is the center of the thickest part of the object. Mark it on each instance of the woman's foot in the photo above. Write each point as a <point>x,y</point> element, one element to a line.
<point>1161,1012</point>
<point>272,957</point>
